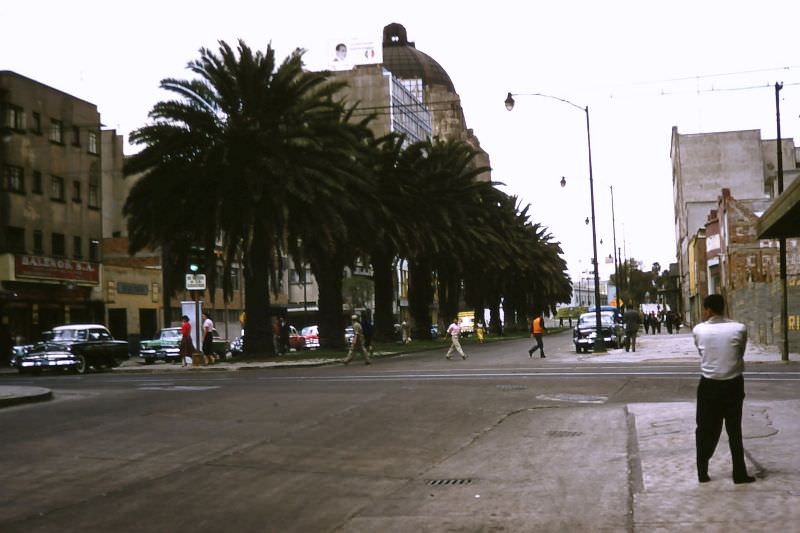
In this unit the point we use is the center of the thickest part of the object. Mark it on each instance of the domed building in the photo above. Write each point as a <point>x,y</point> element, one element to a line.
<point>424,76</point>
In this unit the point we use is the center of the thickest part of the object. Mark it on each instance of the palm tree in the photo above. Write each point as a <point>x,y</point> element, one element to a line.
<point>331,226</point>
<point>230,159</point>
<point>390,229</point>
<point>441,175</point>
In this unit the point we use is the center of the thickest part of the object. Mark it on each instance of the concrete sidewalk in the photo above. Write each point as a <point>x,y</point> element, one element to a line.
<point>677,347</point>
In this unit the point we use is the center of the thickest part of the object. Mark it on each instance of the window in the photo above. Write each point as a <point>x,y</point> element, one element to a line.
<point>15,240</point>
<point>235,284</point>
<point>56,131</point>
<point>13,180</point>
<point>94,192</point>
<point>76,191</point>
<point>38,242</point>
<point>36,123</point>
<point>93,142</point>
<point>94,250</point>
<point>76,136</point>
<point>77,247</point>
<point>57,189</point>
<point>58,246</point>
<point>15,117</point>
<point>36,186</point>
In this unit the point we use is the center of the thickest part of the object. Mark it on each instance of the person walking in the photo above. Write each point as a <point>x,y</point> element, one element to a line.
<point>480,331</point>
<point>631,319</point>
<point>358,342</point>
<point>208,338</point>
<point>369,331</point>
<point>187,346</point>
<point>538,330</point>
<point>454,330</point>
<point>720,394</point>
<point>406,329</point>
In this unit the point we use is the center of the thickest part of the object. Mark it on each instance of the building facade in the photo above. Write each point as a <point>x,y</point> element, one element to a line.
<point>51,223</point>
<point>703,165</point>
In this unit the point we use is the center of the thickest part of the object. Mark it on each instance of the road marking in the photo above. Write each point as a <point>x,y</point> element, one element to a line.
<point>181,388</point>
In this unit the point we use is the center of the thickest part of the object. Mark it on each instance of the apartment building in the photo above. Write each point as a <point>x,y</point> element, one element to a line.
<point>50,208</point>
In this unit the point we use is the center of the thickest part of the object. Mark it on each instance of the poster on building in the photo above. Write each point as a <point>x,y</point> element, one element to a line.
<point>344,54</point>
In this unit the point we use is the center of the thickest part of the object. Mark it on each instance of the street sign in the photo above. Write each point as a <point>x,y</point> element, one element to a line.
<point>195,282</point>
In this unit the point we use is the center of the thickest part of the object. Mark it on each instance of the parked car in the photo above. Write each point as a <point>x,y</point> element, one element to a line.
<point>75,347</point>
<point>165,347</point>
<point>17,352</point>
<point>296,340</point>
<point>310,335</point>
<point>349,333</point>
<point>236,346</point>
<point>585,332</point>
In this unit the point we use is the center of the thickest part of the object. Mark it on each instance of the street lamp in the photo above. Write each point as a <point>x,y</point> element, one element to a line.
<point>599,345</point>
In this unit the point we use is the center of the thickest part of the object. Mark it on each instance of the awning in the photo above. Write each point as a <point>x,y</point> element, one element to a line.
<point>782,219</point>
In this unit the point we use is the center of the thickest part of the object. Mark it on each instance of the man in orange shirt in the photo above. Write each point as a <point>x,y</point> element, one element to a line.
<point>537,330</point>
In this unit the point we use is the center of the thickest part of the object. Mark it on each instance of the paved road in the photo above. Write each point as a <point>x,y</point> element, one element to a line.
<point>499,442</point>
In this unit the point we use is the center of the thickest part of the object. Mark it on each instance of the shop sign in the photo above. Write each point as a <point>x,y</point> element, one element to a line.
<point>132,288</point>
<point>35,266</point>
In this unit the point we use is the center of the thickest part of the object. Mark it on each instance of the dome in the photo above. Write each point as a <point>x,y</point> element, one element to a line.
<point>403,60</point>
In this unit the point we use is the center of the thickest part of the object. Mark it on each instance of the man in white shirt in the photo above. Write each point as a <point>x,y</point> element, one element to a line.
<point>454,330</point>
<point>721,343</point>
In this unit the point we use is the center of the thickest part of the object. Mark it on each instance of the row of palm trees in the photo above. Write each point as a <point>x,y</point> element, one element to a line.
<point>267,160</point>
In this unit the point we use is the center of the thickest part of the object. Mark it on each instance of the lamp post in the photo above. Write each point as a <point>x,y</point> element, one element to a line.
<point>784,345</point>
<point>599,345</point>
<point>614,231</point>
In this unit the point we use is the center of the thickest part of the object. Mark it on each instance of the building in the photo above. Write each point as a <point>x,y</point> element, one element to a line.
<point>705,163</point>
<point>51,217</point>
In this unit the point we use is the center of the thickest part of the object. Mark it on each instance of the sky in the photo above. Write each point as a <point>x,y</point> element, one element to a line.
<point>641,67</point>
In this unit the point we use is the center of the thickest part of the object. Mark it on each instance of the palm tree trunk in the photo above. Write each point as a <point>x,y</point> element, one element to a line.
<point>331,319</point>
<point>384,296</point>
<point>420,296</point>
<point>258,333</point>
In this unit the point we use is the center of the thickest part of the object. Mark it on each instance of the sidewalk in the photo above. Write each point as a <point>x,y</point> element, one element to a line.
<point>677,347</point>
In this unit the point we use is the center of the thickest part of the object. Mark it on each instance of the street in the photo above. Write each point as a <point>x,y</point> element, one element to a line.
<point>498,442</point>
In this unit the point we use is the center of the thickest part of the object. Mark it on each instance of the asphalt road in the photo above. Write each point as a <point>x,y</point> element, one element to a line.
<point>499,442</point>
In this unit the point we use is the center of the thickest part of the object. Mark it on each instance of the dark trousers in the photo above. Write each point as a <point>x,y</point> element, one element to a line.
<point>720,401</point>
<point>539,343</point>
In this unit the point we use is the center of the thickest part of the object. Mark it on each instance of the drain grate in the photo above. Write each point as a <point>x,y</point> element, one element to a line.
<point>440,482</point>
<point>563,434</point>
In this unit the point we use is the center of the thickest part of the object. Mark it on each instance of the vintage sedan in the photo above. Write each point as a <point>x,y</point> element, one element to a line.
<point>585,332</point>
<point>164,347</point>
<point>77,347</point>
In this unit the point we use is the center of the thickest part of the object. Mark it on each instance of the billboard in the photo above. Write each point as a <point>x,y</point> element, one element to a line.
<point>344,54</point>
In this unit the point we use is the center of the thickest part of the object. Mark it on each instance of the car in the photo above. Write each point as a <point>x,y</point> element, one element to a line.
<point>585,332</point>
<point>77,347</point>
<point>165,346</point>
<point>297,341</point>
<point>311,336</point>
<point>236,346</point>
<point>17,352</point>
<point>349,333</point>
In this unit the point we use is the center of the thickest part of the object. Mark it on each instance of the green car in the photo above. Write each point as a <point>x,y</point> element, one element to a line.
<point>166,347</point>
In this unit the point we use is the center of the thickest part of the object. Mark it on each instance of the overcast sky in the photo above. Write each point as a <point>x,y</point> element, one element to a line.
<point>642,67</point>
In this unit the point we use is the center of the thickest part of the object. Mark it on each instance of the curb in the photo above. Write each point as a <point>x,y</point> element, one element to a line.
<point>10,396</point>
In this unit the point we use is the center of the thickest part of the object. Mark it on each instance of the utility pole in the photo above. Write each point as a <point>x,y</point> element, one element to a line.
<point>782,249</point>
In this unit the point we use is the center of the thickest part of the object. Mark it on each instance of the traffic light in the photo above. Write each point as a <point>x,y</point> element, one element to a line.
<point>196,260</point>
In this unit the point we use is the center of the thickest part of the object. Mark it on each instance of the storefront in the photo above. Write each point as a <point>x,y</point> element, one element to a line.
<point>42,292</point>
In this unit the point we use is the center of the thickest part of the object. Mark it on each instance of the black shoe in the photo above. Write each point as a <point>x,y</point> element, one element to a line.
<point>743,479</point>
<point>530,353</point>
<point>703,478</point>
<point>542,356</point>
